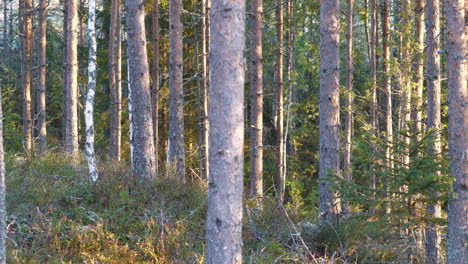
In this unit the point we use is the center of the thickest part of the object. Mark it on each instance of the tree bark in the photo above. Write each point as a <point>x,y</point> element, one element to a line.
<point>27,42</point>
<point>433,239</point>
<point>226,113</point>
<point>41,84</point>
<point>204,132</point>
<point>373,99</point>
<point>6,46</point>
<point>89,120</point>
<point>329,208</point>
<point>256,114</point>
<point>115,82</point>
<point>71,80</point>
<point>143,159</point>
<point>457,40</point>
<point>349,91</point>
<point>280,181</point>
<point>176,149</point>
<point>416,111</point>
<point>155,78</point>
<point>3,231</point>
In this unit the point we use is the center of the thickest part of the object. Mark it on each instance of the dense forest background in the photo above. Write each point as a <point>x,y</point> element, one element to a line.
<point>384,201</point>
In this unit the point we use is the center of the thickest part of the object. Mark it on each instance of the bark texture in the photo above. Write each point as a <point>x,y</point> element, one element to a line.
<point>89,120</point>
<point>373,94</point>
<point>176,149</point>
<point>143,159</point>
<point>329,131</point>
<point>226,113</point>
<point>457,39</point>
<point>418,65</point>
<point>41,84</point>
<point>204,131</point>
<point>280,181</point>
<point>115,87</point>
<point>433,239</point>
<point>155,77</point>
<point>256,114</point>
<point>71,78</point>
<point>3,231</point>
<point>27,43</point>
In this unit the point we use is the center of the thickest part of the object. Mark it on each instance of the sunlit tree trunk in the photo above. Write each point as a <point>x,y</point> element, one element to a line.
<point>204,131</point>
<point>373,94</point>
<point>176,148</point>
<point>3,230</point>
<point>349,90</point>
<point>457,41</point>
<point>433,239</point>
<point>280,181</point>
<point>155,77</point>
<point>41,84</point>
<point>256,114</point>
<point>27,42</point>
<point>226,113</point>
<point>89,120</point>
<point>330,207</point>
<point>417,69</point>
<point>6,46</point>
<point>115,82</point>
<point>143,159</point>
<point>71,78</point>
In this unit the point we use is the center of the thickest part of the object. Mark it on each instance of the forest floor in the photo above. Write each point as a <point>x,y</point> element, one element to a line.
<point>55,215</point>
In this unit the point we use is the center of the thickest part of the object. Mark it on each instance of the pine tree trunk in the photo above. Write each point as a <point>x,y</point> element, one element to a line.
<point>143,159</point>
<point>226,113</point>
<point>71,80</point>
<point>115,82</point>
<point>280,181</point>
<point>89,120</point>
<point>433,239</point>
<point>373,96</point>
<point>27,42</point>
<point>155,78</point>
<point>329,131</point>
<point>41,84</point>
<point>457,40</point>
<point>416,111</point>
<point>204,132</point>
<point>176,149</point>
<point>256,114</point>
<point>349,91</point>
<point>3,231</point>
<point>6,46</point>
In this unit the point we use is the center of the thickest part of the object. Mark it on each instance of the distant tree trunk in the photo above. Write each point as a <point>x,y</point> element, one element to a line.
<point>65,67</point>
<point>115,82</point>
<point>405,103</point>
<point>41,84</point>
<point>329,131</point>
<point>89,120</point>
<point>27,42</point>
<point>457,40</point>
<point>417,69</point>
<point>204,132</point>
<point>155,78</point>
<point>226,113</point>
<point>280,181</point>
<point>71,73</point>
<point>373,99</point>
<point>256,114</point>
<point>6,46</point>
<point>349,90</point>
<point>433,239</point>
<point>142,126</point>
<point>82,22</point>
<point>176,149</point>
<point>3,231</point>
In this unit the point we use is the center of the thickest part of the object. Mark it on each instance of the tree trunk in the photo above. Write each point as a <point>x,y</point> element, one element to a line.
<point>433,239</point>
<point>226,113</point>
<point>373,99</point>
<point>280,181</point>
<point>256,114</point>
<point>155,78</point>
<point>41,85</point>
<point>329,131</point>
<point>27,42</point>
<point>349,90</point>
<point>89,120</point>
<point>143,159</point>
<point>115,82</point>
<point>204,132</point>
<point>6,46</point>
<point>416,111</point>
<point>457,40</point>
<point>176,149</point>
<point>71,80</point>
<point>3,231</point>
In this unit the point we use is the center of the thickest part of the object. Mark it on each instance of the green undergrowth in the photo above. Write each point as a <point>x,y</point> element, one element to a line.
<point>56,215</point>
